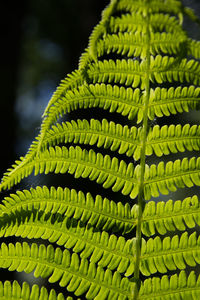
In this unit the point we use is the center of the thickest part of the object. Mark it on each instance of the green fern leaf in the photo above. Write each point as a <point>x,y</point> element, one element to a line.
<point>102,248</point>
<point>194,48</point>
<point>169,254</point>
<point>158,22</point>
<point>103,134</point>
<point>169,177</point>
<point>70,271</point>
<point>169,216</point>
<point>82,164</point>
<point>169,6</point>
<point>143,69</point>
<point>179,286</point>
<point>172,139</point>
<point>14,291</point>
<point>134,45</point>
<point>99,212</point>
<point>165,102</point>
<point>73,80</point>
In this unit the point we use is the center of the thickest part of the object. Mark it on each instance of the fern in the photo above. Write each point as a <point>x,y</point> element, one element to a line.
<point>136,242</point>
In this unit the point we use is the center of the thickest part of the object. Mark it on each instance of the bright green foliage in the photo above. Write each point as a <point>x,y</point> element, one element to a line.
<point>143,70</point>
<point>77,274</point>
<point>14,291</point>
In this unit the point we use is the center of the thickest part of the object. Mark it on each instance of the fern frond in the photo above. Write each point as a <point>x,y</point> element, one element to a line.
<point>103,249</point>
<point>165,178</point>
<point>77,77</point>
<point>181,286</point>
<point>135,45</point>
<point>107,97</point>
<point>164,102</point>
<point>78,276</point>
<point>99,212</point>
<point>14,291</point>
<point>168,6</point>
<point>124,72</point>
<point>137,64</point>
<point>131,72</point>
<point>172,139</point>
<point>104,134</point>
<point>170,69</point>
<point>100,29</point>
<point>104,170</point>
<point>157,22</point>
<point>72,80</point>
<point>194,48</point>
<point>127,102</point>
<point>163,217</point>
<point>169,254</point>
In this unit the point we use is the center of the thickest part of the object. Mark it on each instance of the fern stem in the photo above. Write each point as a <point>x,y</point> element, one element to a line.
<point>142,164</point>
